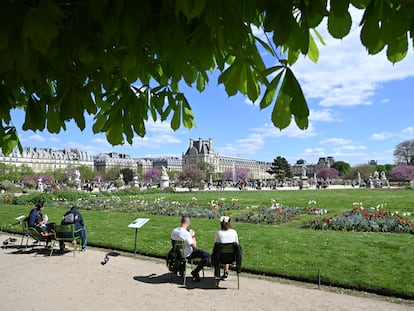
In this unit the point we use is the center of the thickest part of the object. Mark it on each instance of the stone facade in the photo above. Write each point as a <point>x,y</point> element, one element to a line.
<point>46,159</point>
<point>202,151</point>
<point>106,161</point>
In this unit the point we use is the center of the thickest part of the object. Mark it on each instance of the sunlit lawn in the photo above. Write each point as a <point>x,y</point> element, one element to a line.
<point>378,262</point>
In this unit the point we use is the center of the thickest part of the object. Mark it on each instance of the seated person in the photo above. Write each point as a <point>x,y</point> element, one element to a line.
<point>182,233</point>
<point>225,235</point>
<point>39,222</point>
<point>73,216</point>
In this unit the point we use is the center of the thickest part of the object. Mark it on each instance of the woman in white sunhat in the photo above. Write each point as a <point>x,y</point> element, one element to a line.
<point>226,234</point>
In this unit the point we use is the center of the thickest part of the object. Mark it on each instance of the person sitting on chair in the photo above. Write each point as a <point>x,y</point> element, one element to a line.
<point>39,222</point>
<point>73,216</point>
<point>226,234</point>
<point>182,233</point>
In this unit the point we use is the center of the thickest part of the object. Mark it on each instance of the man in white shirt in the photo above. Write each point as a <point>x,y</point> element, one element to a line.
<point>182,233</point>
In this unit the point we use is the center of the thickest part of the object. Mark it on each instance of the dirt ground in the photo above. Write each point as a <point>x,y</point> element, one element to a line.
<point>33,280</point>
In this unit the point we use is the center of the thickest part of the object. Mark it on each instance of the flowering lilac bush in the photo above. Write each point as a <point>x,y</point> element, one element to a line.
<point>402,173</point>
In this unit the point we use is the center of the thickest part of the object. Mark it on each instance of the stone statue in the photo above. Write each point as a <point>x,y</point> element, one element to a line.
<point>303,170</point>
<point>163,171</point>
<point>77,175</point>
<point>164,179</point>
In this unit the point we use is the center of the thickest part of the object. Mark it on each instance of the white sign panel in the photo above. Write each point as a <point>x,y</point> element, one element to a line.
<point>138,223</point>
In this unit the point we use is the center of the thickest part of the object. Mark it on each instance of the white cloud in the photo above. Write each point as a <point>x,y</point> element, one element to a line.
<point>408,133</point>
<point>33,138</point>
<point>351,147</point>
<point>325,115</point>
<point>269,130</point>
<point>246,146</point>
<point>381,136</point>
<point>335,141</point>
<point>345,74</point>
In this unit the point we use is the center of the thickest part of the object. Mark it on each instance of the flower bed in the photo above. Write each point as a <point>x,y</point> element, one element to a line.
<point>364,219</point>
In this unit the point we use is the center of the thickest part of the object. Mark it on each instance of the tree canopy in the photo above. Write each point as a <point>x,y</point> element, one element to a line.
<point>123,62</point>
<point>404,152</point>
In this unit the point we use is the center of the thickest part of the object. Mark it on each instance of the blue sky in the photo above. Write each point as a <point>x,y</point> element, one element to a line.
<point>361,107</point>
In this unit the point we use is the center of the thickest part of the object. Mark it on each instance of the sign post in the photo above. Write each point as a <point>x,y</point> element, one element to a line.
<point>137,223</point>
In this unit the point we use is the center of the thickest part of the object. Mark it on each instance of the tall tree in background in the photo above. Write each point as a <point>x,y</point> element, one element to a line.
<point>342,167</point>
<point>281,169</point>
<point>190,177</point>
<point>128,174</point>
<point>123,62</point>
<point>404,152</point>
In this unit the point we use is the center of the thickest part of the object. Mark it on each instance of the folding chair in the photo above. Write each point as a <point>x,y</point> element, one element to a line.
<point>226,253</point>
<point>180,246</point>
<point>67,233</point>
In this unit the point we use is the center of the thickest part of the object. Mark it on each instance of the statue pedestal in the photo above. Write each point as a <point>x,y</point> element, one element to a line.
<point>164,182</point>
<point>78,184</point>
<point>305,184</point>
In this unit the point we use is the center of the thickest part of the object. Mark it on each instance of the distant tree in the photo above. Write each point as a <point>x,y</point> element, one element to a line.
<point>153,175</point>
<point>404,152</point>
<point>128,174</point>
<point>281,169</point>
<point>86,172</point>
<point>14,173</point>
<point>402,173</point>
<point>365,170</point>
<point>190,177</point>
<point>58,174</point>
<point>33,180</point>
<point>386,168</point>
<point>327,172</point>
<point>342,167</point>
<point>112,174</point>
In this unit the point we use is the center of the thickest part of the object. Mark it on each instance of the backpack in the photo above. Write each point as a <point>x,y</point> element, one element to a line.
<point>174,261</point>
<point>69,218</point>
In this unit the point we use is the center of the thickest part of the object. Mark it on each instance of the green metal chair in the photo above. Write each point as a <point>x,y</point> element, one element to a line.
<point>67,233</point>
<point>33,233</point>
<point>226,253</point>
<point>180,246</point>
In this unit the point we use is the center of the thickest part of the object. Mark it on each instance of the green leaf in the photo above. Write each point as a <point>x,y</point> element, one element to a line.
<point>281,115</point>
<point>371,37</point>
<point>9,139</point>
<point>267,47</point>
<point>339,26</point>
<point>53,121</point>
<point>313,52</point>
<point>292,88</point>
<point>35,115</point>
<point>360,4</point>
<point>270,92</point>
<point>176,119</point>
<point>339,8</point>
<point>114,132</point>
<point>397,50</point>
<point>232,78</point>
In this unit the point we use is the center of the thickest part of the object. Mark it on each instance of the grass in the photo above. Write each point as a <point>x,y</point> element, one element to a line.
<point>373,262</point>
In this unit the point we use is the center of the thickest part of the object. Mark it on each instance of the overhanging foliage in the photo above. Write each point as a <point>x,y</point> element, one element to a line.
<point>123,61</point>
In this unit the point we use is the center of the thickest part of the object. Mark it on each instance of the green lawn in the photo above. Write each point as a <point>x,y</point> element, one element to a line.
<point>375,262</point>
